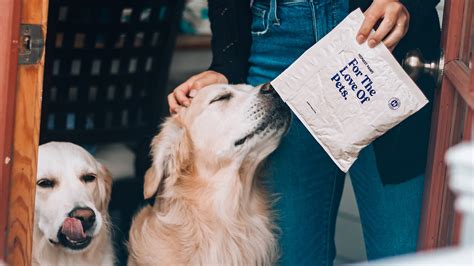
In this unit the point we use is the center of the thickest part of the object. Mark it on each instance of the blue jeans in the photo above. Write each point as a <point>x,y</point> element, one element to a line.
<point>307,183</point>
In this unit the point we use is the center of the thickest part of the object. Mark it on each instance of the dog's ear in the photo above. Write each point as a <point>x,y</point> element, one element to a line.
<point>170,151</point>
<point>105,187</point>
<point>151,183</point>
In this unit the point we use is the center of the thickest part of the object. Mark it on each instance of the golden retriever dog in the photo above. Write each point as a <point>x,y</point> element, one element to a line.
<point>209,207</point>
<point>71,220</point>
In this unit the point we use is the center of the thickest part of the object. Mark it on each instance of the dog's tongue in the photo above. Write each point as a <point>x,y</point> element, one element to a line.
<point>72,228</point>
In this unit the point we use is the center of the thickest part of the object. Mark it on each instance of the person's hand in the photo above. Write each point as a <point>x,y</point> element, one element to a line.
<point>182,95</point>
<point>395,19</point>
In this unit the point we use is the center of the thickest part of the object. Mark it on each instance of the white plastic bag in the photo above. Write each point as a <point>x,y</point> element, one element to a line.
<point>347,94</point>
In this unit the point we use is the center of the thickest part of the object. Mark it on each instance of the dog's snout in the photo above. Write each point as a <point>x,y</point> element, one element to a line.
<point>85,214</point>
<point>267,88</point>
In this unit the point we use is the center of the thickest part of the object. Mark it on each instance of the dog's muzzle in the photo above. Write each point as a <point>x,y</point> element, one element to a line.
<point>75,230</point>
<point>273,114</point>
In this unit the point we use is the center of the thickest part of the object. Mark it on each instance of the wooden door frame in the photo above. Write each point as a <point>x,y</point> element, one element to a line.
<point>21,116</point>
<point>454,103</point>
<point>9,29</point>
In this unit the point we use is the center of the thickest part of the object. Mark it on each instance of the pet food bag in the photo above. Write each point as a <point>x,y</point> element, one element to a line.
<point>347,94</point>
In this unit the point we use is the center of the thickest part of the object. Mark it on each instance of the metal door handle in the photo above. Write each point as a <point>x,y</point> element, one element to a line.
<point>416,65</point>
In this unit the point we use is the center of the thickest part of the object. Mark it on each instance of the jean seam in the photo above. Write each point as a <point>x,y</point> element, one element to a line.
<point>313,14</point>
<point>272,14</point>
<point>265,20</point>
<point>328,220</point>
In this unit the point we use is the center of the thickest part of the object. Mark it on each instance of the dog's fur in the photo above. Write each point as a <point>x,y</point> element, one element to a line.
<point>65,164</point>
<point>209,208</point>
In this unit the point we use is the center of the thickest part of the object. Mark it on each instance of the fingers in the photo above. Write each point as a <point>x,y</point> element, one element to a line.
<point>388,23</point>
<point>397,33</point>
<point>192,93</point>
<point>182,95</point>
<point>392,40</point>
<point>393,27</point>
<point>181,92</point>
<point>203,81</point>
<point>178,97</point>
<point>173,104</point>
<point>372,15</point>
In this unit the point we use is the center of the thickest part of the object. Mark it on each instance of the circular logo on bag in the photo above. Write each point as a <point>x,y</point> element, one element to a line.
<point>394,103</point>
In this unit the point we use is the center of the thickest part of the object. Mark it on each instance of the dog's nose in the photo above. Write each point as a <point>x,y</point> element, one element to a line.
<point>267,88</point>
<point>85,214</point>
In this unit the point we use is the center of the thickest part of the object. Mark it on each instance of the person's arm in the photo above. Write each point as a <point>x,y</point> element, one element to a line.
<point>231,38</point>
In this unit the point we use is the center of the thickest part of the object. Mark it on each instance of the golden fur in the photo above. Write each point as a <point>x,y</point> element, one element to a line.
<point>208,210</point>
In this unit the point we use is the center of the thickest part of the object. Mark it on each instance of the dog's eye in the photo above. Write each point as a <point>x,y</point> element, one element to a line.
<point>222,97</point>
<point>45,183</point>
<point>88,178</point>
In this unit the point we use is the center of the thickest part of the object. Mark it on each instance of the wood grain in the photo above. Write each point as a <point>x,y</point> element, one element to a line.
<point>450,119</point>
<point>25,146</point>
<point>467,31</point>
<point>9,29</point>
<point>458,74</point>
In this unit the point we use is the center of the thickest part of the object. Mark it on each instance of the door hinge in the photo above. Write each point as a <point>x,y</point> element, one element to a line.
<point>31,44</point>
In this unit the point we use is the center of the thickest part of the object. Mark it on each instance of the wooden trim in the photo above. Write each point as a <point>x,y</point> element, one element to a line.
<point>471,89</point>
<point>9,29</point>
<point>193,42</point>
<point>467,30</point>
<point>437,212</point>
<point>449,222</point>
<point>25,146</point>
<point>438,199</point>
<point>468,127</point>
<point>457,228</point>
<point>458,74</point>
<point>452,28</point>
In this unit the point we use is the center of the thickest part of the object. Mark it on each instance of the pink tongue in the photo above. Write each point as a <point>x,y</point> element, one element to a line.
<point>72,228</point>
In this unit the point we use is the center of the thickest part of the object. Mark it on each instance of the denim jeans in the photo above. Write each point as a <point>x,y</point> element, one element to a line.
<point>308,185</point>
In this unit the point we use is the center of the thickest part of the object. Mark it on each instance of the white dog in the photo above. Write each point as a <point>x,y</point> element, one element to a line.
<point>209,207</point>
<point>71,219</point>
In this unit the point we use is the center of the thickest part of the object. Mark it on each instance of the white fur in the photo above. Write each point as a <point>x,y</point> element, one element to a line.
<point>66,163</point>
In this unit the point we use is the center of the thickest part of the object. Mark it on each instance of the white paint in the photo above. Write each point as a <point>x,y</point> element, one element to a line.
<point>460,160</point>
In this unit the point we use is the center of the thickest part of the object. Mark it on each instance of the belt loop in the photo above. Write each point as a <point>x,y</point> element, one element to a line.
<point>272,14</point>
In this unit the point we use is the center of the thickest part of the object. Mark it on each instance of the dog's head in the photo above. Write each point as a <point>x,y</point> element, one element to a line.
<point>72,195</point>
<point>225,127</point>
